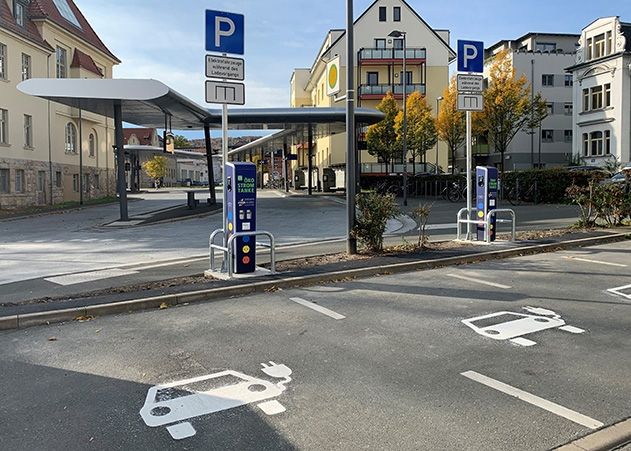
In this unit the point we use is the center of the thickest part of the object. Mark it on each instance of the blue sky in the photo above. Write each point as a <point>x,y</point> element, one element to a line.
<point>165,40</point>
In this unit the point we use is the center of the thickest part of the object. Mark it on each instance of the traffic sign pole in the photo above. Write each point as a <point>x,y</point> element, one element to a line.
<point>469,160</point>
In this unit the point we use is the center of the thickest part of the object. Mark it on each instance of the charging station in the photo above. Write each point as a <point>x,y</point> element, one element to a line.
<point>486,199</point>
<point>240,197</point>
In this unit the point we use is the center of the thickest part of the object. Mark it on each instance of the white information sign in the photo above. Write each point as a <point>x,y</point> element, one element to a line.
<point>225,92</point>
<point>470,102</point>
<point>225,68</point>
<point>470,83</point>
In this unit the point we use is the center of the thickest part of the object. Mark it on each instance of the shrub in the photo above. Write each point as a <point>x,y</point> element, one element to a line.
<point>374,211</point>
<point>421,214</point>
<point>605,203</point>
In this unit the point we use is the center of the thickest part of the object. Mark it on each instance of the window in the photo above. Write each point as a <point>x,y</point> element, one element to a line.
<point>380,43</point>
<point>396,14</point>
<point>569,81</point>
<point>41,180</point>
<point>4,126</point>
<point>596,141</point>
<point>609,48</point>
<point>397,44</point>
<point>585,144</point>
<point>4,181</point>
<point>545,47</point>
<point>3,61</point>
<point>86,183</point>
<point>58,181</point>
<point>597,97</point>
<point>18,12</point>
<point>567,136</point>
<point>585,100</point>
<point>408,78</point>
<point>28,131</point>
<point>547,80</point>
<point>62,62</point>
<point>96,181</point>
<point>92,144</point>
<point>75,183</point>
<point>373,78</point>
<point>608,142</point>
<point>71,138</point>
<point>599,46</point>
<point>19,181</point>
<point>608,94</point>
<point>550,108</point>
<point>590,48</point>
<point>547,136</point>
<point>382,14</point>
<point>568,109</point>
<point>64,9</point>
<point>26,66</point>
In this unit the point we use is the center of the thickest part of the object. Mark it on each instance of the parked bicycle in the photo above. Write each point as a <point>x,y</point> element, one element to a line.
<point>389,188</point>
<point>519,194</point>
<point>455,191</point>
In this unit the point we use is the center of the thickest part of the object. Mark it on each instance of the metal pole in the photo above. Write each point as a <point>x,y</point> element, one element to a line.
<point>437,111</point>
<point>224,159</point>
<point>209,163</point>
<point>310,159</point>
<point>351,160</point>
<point>469,158</point>
<point>80,158</point>
<point>405,125</point>
<point>285,147</point>
<point>532,112</point>
<point>120,160</point>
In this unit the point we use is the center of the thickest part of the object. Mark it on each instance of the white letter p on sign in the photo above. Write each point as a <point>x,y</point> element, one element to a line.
<point>470,53</point>
<point>219,32</point>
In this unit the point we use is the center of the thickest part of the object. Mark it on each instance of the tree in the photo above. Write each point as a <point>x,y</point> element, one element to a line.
<point>180,142</point>
<point>381,137</point>
<point>451,124</point>
<point>508,106</point>
<point>156,168</point>
<point>421,128</point>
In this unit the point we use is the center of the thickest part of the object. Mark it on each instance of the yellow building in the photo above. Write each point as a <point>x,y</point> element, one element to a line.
<point>378,69</point>
<point>40,141</point>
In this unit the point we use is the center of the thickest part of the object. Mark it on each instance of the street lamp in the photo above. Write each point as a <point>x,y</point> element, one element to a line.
<point>401,34</point>
<point>438,99</point>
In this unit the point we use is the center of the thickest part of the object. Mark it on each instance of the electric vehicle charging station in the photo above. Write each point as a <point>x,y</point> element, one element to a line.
<point>486,200</point>
<point>241,214</point>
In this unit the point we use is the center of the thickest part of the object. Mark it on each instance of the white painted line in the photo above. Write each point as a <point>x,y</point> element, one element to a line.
<point>534,400</point>
<point>619,290</point>
<point>172,263</point>
<point>318,308</point>
<point>483,282</point>
<point>181,431</point>
<point>272,407</point>
<point>73,279</point>
<point>523,342</point>
<point>572,329</point>
<point>598,262</point>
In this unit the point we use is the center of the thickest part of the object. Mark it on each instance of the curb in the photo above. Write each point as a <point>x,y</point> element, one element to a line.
<point>22,321</point>
<point>605,439</point>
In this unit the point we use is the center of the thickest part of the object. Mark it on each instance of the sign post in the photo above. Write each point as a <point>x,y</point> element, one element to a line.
<point>471,61</point>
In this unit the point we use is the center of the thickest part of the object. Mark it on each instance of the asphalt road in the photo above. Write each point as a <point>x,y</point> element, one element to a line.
<point>389,365</point>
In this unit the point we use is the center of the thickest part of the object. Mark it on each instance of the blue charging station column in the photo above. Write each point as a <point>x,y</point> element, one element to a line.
<point>240,192</point>
<point>486,198</point>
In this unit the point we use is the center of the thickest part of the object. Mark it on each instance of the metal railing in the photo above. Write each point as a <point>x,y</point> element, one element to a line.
<point>228,250</point>
<point>396,89</point>
<point>484,222</point>
<point>392,53</point>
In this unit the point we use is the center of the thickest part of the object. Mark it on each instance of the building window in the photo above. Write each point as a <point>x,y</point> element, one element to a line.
<point>4,126</point>
<point>382,13</point>
<point>71,138</point>
<point>597,97</point>
<point>62,62</point>
<point>92,144</point>
<point>18,12</point>
<point>97,184</point>
<point>609,48</point>
<point>545,47</point>
<point>4,181</point>
<point>585,144</point>
<point>569,81</point>
<point>590,48</point>
<point>372,78</point>
<point>75,183</point>
<point>599,46</point>
<point>568,108</point>
<point>3,61</point>
<point>608,142</point>
<point>86,183</point>
<point>41,180</point>
<point>550,108</point>
<point>567,136</point>
<point>58,181</point>
<point>396,14</point>
<point>596,141</point>
<point>547,80</point>
<point>608,94</point>
<point>380,43</point>
<point>28,131</point>
<point>19,181</point>
<point>26,66</point>
<point>585,100</point>
<point>547,136</point>
<point>397,44</point>
<point>408,80</point>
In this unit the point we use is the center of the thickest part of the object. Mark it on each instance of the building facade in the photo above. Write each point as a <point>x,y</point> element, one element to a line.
<point>378,70</point>
<point>49,152</point>
<point>602,92</point>
<point>542,58</point>
<point>141,145</point>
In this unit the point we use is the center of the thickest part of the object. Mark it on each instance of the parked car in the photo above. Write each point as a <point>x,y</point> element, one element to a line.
<point>615,179</point>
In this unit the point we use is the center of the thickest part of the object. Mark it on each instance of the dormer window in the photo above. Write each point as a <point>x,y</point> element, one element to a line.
<point>19,12</point>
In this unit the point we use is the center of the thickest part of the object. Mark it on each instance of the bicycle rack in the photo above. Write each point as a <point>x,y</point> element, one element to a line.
<point>228,250</point>
<point>485,222</point>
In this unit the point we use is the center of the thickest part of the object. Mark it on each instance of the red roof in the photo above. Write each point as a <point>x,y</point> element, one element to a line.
<point>143,134</point>
<point>86,62</point>
<point>29,31</point>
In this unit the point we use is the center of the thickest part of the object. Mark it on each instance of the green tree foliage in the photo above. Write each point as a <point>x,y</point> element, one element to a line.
<point>180,142</point>
<point>374,210</point>
<point>382,137</point>
<point>451,124</point>
<point>421,128</point>
<point>156,168</point>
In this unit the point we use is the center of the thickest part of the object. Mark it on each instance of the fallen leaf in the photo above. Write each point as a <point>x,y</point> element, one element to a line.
<point>84,318</point>
<point>52,338</point>
<point>164,305</point>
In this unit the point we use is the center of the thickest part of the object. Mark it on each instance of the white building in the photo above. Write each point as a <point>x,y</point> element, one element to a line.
<point>602,92</point>
<point>542,58</point>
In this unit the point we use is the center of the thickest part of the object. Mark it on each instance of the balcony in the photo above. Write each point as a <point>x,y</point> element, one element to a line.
<point>368,92</point>
<point>384,56</point>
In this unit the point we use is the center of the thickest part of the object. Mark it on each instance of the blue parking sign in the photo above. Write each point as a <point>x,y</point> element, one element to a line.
<point>471,56</point>
<point>225,32</point>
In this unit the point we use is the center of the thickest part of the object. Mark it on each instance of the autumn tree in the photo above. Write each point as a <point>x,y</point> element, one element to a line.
<point>156,168</point>
<point>382,137</point>
<point>421,129</point>
<point>451,124</point>
<point>508,106</point>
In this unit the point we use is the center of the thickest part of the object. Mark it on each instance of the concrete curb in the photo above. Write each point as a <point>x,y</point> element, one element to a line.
<point>605,439</point>
<point>212,294</point>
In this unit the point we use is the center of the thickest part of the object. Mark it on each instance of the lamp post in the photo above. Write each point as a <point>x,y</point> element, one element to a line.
<point>438,99</point>
<point>401,34</point>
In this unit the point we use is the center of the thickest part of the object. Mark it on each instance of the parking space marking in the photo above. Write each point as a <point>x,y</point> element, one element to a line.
<point>598,262</point>
<point>91,276</point>
<point>534,400</point>
<point>619,291</point>
<point>523,342</point>
<point>483,282</point>
<point>318,308</point>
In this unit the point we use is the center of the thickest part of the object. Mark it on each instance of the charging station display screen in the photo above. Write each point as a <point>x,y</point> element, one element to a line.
<point>241,213</point>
